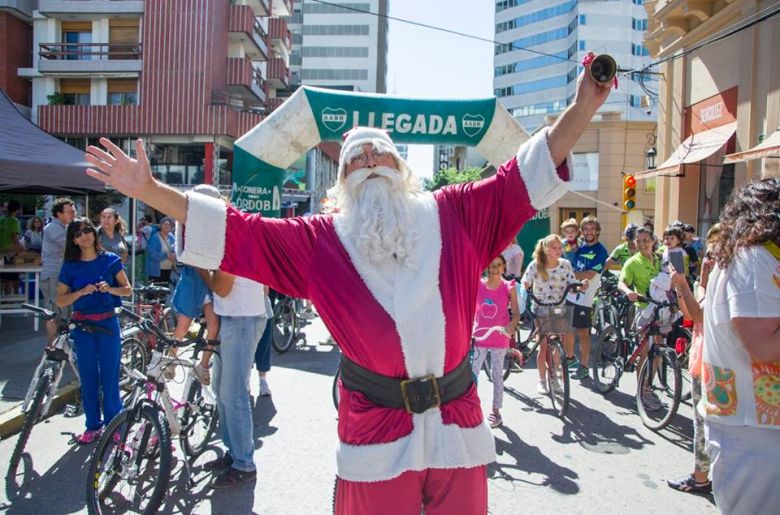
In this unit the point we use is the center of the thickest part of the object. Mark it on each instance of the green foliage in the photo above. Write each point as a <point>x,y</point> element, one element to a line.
<point>451,176</point>
<point>98,202</point>
<point>57,99</point>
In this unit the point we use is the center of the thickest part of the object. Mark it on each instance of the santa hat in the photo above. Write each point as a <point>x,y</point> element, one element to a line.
<point>207,189</point>
<point>354,140</point>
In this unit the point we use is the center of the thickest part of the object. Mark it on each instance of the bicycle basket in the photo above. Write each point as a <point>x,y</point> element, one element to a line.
<point>555,319</point>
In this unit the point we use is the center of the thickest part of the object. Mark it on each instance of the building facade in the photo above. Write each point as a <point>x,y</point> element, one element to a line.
<point>719,99</point>
<point>187,77</point>
<point>459,157</point>
<point>542,80</point>
<point>340,46</point>
<point>16,49</point>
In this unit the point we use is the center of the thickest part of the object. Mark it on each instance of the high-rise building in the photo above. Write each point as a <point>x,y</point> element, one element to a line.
<point>542,80</point>
<point>188,77</point>
<point>340,46</point>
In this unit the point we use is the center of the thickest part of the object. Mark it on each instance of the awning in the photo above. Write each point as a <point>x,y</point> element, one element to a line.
<point>695,148</point>
<point>768,147</point>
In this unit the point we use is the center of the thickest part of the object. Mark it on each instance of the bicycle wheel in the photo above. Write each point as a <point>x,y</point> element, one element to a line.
<point>487,366</point>
<point>557,378</point>
<point>284,326</point>
<point>31,417</point>
<point>658,388</point>
<point>199,420</point>
<point>681,342</point>
<point>606,371</point>
<point>133,357</point>
<point>122,475</point>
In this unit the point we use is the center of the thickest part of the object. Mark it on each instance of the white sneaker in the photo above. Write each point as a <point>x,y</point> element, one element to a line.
<point>541,387</point>
<point>265,391</point>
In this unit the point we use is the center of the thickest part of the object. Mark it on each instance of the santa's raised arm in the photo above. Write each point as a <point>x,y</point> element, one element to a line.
<point>394,276</point>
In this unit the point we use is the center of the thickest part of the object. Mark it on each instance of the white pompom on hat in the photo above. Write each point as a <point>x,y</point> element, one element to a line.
<point>207,189</point>
<point>359,136</point>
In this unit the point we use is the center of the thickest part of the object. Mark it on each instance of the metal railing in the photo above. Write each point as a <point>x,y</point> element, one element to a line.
<point>90,51</point>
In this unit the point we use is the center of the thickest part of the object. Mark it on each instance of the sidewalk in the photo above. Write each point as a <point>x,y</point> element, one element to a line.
<point>21,348</point>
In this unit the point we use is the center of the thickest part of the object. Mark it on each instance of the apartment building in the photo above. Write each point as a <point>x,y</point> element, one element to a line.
<point>543,43</point>
<point>188,77</point>
<point>16,49</point>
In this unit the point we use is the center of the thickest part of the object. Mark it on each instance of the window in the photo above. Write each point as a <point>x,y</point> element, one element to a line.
<point>122,92</point>
<point>335,30</point>
<point>314,8</point>
<point>536,16</point>
<point>581,45</point>
<point>330,74</point>
<point>79,35</point>
<point>530,64</point>
<point>541,108</point>
<point>123,37</point>
<point>538,85</point>
<point>638,2</point>
<point>75,91</point>
<point>639,50</point>
<point>334,51</point>
<point>506,4</point>
<point>582,19</point>
<point>536,39</point>
<point>638,24</point>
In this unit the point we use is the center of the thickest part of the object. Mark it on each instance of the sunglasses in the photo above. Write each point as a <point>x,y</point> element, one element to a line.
<point>84,230</point>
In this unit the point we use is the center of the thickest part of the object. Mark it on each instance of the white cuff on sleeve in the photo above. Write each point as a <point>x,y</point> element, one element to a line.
<point>201,242</point>
<point>539,172</point>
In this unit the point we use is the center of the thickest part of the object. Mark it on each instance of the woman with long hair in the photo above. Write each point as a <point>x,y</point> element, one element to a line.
<point>93,281</point>
<point>548,275</point>
<point>160,254</point>
<point>33,236</point>
<point>111,233</point>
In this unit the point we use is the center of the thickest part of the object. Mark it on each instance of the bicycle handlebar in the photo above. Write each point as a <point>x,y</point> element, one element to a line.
<point>659,305</point>
<point>45,313</point>
<point>489,331</point>
<point>569,288</point>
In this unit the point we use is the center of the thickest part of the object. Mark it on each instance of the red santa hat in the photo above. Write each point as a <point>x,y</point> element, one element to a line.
<point>354,140</point>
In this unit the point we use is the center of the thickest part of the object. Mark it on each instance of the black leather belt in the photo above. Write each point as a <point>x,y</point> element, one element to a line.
<point>414,395</point>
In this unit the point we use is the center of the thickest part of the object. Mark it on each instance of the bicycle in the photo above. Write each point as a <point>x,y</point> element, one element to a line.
<point>611,308</point>
<point>554,320</point>
<point>47,376</point>
<point>660,371</point>
<point>141,436</point>
<point>287,323</point>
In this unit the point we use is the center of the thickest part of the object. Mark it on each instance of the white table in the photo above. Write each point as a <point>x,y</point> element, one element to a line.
<point>12,304</point>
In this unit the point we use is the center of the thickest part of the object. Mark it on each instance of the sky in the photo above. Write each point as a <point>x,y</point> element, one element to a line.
<point>431,64</point>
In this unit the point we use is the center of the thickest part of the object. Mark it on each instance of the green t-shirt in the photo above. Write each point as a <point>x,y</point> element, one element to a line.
<point>621,253</point>
<point>639,271</point>
<point>9,225</point>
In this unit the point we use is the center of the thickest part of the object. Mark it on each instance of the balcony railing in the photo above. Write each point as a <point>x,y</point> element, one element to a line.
<point>245,28</point>
<point>245,80</point>
<point>278,73</point>
<point>90,51</point>
<point>278,31</point>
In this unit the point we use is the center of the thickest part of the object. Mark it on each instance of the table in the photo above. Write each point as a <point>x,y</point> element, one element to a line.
<point>12,304</point>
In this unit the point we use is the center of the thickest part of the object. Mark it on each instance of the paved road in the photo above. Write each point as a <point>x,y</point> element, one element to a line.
<point>600,460</point>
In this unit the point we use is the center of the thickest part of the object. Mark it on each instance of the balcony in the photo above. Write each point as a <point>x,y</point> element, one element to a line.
<point>278,73</point>
<point>89,58</point>
<point>281,8</point>
<point>89,9</point>
<point>245,81</point>
<point>279,37</point>
<point>259,7</point>
<point>246,29</point>
<point>272,103</point>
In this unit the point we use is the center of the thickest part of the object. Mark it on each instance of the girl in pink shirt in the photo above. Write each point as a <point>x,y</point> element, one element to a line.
<point>493,302</point>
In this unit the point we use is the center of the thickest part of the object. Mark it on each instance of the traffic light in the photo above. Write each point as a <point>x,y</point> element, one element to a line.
<point>629,193</point>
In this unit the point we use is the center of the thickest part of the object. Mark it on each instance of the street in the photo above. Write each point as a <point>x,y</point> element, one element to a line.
<point>600,460</point>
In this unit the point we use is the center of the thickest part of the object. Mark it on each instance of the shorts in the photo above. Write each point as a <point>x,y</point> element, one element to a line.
<point>49,292</point>
<point>188,298</point>
<point>583,316</point>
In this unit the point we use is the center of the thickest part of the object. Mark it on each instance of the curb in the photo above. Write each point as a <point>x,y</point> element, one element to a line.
<point>11,421</point>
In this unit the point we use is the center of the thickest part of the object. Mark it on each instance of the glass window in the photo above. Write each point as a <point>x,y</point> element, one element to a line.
<point>314,8</point>
<point>335,30</point>
<point>539,85</point>
<point>582,19</point>
<point>581,45</point>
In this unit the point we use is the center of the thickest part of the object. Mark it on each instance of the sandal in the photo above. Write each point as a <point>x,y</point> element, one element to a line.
<point>495,420</point>
<point>689,485</point>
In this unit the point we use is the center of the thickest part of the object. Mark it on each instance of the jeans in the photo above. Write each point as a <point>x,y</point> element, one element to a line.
<point>263,352</point>
<point>98,356</point>
<point>239,336</point>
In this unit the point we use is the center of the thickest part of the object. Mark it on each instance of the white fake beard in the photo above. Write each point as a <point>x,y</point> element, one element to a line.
<point>375,213</point>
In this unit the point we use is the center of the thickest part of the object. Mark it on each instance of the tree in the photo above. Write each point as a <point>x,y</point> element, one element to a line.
<point>451,176</point>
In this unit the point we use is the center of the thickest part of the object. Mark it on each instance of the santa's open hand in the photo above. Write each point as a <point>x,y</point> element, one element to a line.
<point>589,92</point>
<point>132,177</point>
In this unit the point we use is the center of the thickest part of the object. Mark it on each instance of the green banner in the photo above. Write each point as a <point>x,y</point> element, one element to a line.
<point>257,186</point>
<point>534,230</point>
<point>454,122</point>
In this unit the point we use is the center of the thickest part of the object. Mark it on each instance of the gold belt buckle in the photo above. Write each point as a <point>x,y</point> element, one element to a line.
<point>405,394</point>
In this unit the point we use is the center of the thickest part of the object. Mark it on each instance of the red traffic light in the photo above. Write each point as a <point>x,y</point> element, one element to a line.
<point>630,181</point>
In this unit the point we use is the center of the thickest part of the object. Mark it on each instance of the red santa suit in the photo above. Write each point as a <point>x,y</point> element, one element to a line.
<point>406,321</point>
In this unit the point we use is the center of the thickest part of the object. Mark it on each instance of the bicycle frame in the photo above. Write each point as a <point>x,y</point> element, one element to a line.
<point>63,344</point>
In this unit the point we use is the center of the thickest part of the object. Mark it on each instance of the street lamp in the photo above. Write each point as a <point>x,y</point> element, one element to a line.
<point>650,158</point>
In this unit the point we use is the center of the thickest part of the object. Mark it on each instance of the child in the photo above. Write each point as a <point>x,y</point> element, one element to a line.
<point>571,231</point>
<point>548,275</point>
<point>493,301</point>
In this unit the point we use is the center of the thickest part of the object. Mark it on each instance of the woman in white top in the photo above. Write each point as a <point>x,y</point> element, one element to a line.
<point>240,303</point>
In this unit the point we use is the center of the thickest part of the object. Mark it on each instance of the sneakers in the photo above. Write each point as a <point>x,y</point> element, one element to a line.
<point>221,463</point>
<point>265,391</point>
<point>689,485</point>
<point>495,420</point>
<point>89,436</point>
<point>202,374</point>
<point>231,477</point>
<point>581,373</point>
<point>572,363</point>
<point>541,387</point>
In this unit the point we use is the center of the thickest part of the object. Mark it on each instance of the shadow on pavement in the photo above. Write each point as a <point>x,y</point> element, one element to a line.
<point>531,460</point>
<point>309,358</point>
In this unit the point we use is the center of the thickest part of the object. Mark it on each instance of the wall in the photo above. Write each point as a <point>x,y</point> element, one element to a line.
<point>15,53</point>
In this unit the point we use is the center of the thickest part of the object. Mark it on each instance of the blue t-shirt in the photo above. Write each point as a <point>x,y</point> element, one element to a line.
<point>590,257</point>
<point>78,274</point>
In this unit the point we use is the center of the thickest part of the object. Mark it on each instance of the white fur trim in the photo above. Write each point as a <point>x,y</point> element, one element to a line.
<point>499,144</point>
<point>202,243</point>
<point>285,134</point>
<point>539,173</point>
<point>430,445</point>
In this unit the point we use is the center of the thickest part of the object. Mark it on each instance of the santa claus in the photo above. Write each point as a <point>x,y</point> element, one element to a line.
<point>394,276</point>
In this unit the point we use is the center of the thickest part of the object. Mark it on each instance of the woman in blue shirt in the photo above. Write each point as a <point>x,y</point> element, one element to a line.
<point>93,280</point>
